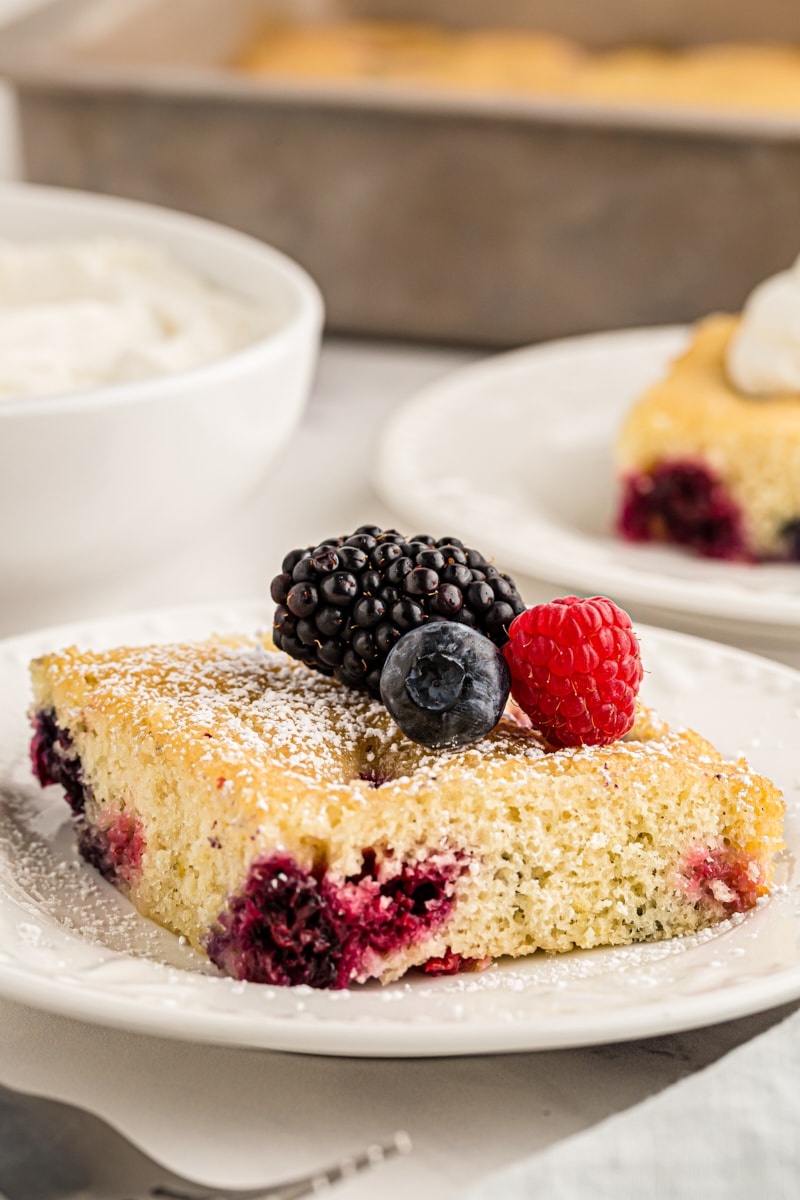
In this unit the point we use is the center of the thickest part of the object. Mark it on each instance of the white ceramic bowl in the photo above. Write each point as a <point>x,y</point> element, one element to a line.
<point>110,478</point>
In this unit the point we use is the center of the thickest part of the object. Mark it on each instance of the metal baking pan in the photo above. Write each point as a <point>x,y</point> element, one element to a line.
<point>601,23</point>
<point>447,216</point>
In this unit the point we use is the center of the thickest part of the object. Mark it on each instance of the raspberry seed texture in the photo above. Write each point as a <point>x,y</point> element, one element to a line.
<point>575,670</point>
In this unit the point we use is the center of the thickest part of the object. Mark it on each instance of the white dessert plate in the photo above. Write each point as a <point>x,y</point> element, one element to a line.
<point>70,944</point>
<point>515,453</point>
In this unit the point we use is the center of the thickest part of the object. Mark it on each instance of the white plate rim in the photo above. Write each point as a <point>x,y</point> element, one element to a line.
<point>375,1038</point>
<point>404,488</point>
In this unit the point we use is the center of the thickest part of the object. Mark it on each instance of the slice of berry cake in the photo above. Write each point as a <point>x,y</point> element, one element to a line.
<point>708,466</point>
<point>282,823</point>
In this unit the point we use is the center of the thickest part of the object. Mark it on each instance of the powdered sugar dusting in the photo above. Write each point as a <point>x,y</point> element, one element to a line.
<point>578,998</point>
<point>247,704</point>
<point>45,876</point>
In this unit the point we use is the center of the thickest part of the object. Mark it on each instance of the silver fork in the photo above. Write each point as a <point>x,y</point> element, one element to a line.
<point>55,1151</point>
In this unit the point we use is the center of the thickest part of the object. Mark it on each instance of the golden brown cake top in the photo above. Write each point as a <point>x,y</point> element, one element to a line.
<point>696,409</point>
<point>235,736</point>
<point>237,709</point>
<point>705,358</point>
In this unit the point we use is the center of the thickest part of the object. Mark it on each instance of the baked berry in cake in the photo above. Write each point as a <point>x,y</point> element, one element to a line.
<point>709,458</point>
<point>283,823</point>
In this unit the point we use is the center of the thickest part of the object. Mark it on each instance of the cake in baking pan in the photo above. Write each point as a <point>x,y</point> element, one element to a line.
<point>709,456</point>
<point>282,821</point>
<point>746,76</point>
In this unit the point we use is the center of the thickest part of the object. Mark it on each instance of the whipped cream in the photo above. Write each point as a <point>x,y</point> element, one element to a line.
<point>89,312</point>
<point>764,354</point>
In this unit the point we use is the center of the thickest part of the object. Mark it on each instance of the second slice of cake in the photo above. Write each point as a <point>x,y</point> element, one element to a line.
<point>709,457</point>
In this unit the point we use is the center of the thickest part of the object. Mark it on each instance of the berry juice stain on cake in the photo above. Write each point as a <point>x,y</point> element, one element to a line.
<point>54,759</point>
<point>289,926</point>
<point>683,503</point>
<point>114,842</point>
<point>723,877</point>
<point>455,964</point>
<point>114,846</point>
<point>374,777</point>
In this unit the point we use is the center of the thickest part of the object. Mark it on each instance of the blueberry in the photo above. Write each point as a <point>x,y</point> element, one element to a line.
<point>445,684</point>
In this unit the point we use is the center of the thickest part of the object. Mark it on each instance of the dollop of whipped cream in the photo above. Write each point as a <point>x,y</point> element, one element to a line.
<point>763,356</point>
<point>95,311</point>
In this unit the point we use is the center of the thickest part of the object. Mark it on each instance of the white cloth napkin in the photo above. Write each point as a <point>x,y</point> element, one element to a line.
<point>730,1132</point>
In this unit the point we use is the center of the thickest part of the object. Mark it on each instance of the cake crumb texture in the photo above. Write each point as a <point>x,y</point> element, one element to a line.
<point>284,824</point>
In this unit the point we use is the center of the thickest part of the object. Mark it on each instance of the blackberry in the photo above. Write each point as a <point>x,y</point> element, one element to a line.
<point>344,603</point>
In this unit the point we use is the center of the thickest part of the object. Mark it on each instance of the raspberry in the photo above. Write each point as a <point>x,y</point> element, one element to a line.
<point>575,670</point>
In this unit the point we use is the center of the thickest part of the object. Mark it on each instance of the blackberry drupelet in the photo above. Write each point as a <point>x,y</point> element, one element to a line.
<point>342,604</point>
